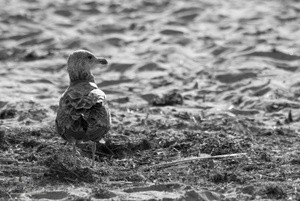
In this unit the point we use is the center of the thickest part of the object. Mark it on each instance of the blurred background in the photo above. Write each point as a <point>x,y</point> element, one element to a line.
<point>220,56</point>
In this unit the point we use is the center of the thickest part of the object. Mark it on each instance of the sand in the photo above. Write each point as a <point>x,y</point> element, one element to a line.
<point>185,78</point>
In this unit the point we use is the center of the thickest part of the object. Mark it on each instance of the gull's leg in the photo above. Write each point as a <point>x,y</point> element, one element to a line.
<point>94,146</point>
<point>74,151</point>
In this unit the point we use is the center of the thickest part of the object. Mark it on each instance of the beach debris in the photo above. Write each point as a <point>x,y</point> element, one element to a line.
<point>7,113</point>
<point>36,55</point>
<point>170,98</point>
<point>83,113</point>
<point>189,160</point>
<point>289,118</point>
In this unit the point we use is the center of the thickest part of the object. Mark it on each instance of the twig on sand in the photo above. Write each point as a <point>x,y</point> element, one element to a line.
<point>190,159</point>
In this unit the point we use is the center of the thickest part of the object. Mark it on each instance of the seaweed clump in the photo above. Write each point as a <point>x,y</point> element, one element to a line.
<point>171,98</point>
<point>62,168</point>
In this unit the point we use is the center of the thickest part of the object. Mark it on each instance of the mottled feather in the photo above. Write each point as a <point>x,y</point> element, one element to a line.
<point>83,113</point>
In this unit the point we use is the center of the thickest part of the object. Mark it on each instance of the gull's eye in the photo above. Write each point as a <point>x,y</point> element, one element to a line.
<point>90,57</point>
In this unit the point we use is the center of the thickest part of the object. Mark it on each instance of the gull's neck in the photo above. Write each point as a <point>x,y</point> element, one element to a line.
<point>81,75</point>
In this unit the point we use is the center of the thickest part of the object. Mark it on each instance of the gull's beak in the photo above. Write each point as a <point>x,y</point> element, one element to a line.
<point>102,61</point>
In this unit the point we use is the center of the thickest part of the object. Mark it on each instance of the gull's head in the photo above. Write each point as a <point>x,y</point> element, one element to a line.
<point>83,60</point>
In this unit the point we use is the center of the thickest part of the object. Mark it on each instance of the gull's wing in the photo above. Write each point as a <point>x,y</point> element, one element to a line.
<point>83,113</point>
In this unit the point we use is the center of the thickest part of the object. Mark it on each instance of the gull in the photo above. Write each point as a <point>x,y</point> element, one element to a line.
<point>83,113</point>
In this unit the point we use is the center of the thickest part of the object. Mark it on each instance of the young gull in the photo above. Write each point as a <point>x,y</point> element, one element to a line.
<point>83,113</point>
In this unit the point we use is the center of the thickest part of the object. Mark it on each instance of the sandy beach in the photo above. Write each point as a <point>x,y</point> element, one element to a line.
<point>204,96</point>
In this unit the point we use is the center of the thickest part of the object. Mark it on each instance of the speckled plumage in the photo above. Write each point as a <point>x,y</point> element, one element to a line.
<point>83,113</point>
